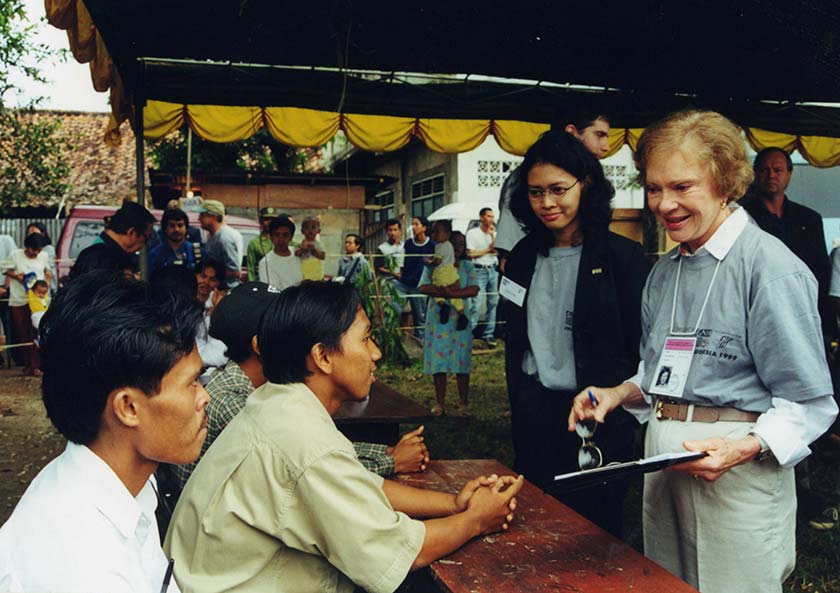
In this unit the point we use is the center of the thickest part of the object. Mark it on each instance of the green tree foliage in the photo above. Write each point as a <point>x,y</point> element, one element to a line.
<point>32,149</point>
<point>261,152</point>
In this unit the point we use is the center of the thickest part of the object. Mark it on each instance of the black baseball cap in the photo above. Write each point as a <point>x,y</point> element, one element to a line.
<point>237,317</point>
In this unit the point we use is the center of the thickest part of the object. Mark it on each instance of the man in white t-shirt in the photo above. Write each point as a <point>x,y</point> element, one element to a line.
<point>392,250</point>
<point>482,250</point>
<point>281,268</point>
<point>120,383</point>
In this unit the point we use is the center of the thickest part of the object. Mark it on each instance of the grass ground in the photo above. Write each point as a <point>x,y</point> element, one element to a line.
<point>487,435</point>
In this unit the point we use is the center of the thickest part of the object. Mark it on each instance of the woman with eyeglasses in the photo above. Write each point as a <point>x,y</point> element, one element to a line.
<point>573,296</point>
<point>732,314</point>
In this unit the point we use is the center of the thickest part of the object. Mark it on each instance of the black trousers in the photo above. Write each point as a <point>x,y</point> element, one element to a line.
<point>544,448</point>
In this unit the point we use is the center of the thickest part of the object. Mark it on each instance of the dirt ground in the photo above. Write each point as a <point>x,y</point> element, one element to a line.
<point>27,439</point>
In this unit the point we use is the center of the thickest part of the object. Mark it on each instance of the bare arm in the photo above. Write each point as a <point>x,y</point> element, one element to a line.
<point>432,290</point>
<point>479,252</point>
<point>490,509</point>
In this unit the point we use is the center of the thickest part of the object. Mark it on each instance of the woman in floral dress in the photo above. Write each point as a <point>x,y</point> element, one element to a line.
<point>447,350</point>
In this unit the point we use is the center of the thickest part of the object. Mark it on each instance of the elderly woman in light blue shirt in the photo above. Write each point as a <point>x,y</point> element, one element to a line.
<point>733,314</point>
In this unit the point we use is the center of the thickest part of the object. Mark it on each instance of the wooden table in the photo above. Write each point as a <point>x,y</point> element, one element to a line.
<point>378,419</point>
<point>549,548</point>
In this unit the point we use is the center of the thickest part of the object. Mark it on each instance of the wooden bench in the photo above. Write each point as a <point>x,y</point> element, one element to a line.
<point>549,547</point>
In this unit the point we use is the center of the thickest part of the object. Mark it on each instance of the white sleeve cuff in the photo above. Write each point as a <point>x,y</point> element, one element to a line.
<point>640,410</point>
<point>789,427</point>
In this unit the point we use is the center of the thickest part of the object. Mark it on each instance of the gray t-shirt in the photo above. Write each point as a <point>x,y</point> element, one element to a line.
<point>226,246</point>
<point>760,334</point>
<point>551,305</point>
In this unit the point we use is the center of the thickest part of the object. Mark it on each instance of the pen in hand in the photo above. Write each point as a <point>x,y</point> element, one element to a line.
<point>592,399</point>
<point>167,576</point>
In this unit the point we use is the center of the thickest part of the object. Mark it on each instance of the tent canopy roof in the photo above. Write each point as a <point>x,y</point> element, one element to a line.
<point>750,59</point>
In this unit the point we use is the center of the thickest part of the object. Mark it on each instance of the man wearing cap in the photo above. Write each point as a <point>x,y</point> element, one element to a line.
<point>235,322</point>
<point>225,243</point>
<point>261,244</point>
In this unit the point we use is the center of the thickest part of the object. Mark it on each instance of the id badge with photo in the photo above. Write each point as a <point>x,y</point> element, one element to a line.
<point>672,369</point>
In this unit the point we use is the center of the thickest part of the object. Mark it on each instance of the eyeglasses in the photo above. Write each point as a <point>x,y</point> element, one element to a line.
<point>589,455</point>
<point>556,191</point>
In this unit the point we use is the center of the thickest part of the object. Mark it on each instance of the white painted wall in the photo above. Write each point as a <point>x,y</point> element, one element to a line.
<point>482,171</point>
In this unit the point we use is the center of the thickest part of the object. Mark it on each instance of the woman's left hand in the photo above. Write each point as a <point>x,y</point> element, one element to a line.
<point>724,454</point>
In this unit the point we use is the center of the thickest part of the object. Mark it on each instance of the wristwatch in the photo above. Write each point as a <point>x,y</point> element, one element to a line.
<point>765,452</point>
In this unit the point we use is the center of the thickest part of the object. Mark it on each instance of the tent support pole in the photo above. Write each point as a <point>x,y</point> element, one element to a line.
<point>140,158</point>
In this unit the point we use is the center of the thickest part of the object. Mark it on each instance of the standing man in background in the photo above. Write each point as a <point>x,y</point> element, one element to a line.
<point>225,242</point>
<point>125,234</point>
<point>392,250</point>
<point>175,250</point>
<point>261,244</point>
<point>481,249</point>
<point>416,248</point>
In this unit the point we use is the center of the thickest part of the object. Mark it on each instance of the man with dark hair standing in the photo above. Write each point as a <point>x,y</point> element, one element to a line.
<point>391,253</point>
<point>121,384</point>
<point>225,242</point>
<point>260,245</point>
<point>481,248</point>
<point>416,248</point>
<point>176,250</point>
<point>125,234</point>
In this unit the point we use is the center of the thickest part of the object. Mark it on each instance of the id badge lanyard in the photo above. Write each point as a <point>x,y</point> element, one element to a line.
<point>671,371</point>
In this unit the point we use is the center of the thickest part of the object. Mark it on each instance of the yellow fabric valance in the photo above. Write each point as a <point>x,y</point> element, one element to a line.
<point>379,133</point>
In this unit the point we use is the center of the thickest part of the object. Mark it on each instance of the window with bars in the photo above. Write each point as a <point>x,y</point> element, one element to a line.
<point>427,195</point>
<point>380,207</point>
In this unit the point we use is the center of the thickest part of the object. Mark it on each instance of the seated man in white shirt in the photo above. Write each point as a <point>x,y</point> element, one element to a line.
<point>120,382</point>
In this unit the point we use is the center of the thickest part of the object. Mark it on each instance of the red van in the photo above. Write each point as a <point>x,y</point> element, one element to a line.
<point>84,224</point>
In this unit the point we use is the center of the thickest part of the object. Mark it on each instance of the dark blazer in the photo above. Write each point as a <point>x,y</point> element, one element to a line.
<point>607,319</point>
<point>801,230</point>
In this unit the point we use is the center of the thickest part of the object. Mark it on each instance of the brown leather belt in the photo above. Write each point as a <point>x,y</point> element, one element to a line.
<point>672,410</point>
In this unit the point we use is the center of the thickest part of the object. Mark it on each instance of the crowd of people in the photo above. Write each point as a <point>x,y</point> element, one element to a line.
<point>722,346</point>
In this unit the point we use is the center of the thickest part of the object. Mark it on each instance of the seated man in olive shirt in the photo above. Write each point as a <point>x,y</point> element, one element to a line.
<point>280,502</point>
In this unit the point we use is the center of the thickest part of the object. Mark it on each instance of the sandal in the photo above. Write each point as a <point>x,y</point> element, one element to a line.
<point>437,410</point>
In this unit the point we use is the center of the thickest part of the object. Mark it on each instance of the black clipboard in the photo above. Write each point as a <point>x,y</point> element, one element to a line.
<point>616,471</point>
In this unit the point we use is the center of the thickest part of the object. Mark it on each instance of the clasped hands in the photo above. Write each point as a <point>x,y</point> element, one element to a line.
<point>492,499</point>
<point>723,453</point>
<point>410,453</point>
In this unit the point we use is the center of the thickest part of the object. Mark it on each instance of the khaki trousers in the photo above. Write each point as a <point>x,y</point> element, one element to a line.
<point>735,535</point>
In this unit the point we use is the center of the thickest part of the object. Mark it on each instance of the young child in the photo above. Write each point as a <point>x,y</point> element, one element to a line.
<point>311,250</point>
<point>445,275</point>
<point>281,268</point>
<point>39,300</point>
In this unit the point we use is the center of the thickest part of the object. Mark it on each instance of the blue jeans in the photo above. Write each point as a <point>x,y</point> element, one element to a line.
<point>488,288</point>
<point>417,303</point>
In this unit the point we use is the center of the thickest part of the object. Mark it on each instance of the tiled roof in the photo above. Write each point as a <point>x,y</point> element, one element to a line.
<point>99,174</point>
